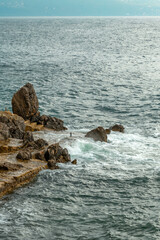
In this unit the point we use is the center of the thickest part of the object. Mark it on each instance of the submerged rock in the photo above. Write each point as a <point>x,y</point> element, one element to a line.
<point>25,102</point>
<point>74,161</point>
<point>98,134</point>
<point>117,128</point>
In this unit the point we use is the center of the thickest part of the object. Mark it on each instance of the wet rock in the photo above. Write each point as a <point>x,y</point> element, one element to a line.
<point>28,137</point>
<point>74,161</point>
<point>14,123</point>
<point>55,151</point>
<point>4,131</point>
<point>108,131</point>
<point>41,143</point>
<point>25,102</point>
<point>52,164</point>
<point>24,155</point>
<point>98,134</point>
<point>118,128</point>
<point>10,166</point>
<point>39,155</point>
<point>52,123</point>
<point>38,144</point>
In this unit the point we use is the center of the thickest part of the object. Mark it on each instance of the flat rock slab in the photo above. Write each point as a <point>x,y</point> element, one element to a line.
<point>17,176</point>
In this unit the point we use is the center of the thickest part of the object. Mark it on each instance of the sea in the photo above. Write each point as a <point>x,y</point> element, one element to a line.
<point>89,72</point>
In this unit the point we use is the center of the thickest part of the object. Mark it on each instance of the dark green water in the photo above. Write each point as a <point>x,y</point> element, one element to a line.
<point>88,72</point>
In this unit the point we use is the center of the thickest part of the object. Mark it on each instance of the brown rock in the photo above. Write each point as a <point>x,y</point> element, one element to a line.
<point>33,127</point>
<point>108,131</point>
<point>118,128</point>
<point>10,166</point>
<point>52,164</point>
<point>4,131</point>
<point>14,123</point>
<point>24,155</point>
<point>38,144</point>
<point>74,161</point>
<point>98,134</point>
<point>28,137</point>
<point>52,122</point>
<point>25,102</point>
<point>39,155</point>
<point>55,151</point>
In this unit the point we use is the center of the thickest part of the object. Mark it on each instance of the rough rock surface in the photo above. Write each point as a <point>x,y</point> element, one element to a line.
<point>24,155</point>
<point>56,152</point>
<point>4,131</point>
<point>10,166</point>
<point>14,123</point>
<point>51,122</point>
<point>28,137</point>
<point>117,128</point>
<point>25,102</point>
<point>98,134</point>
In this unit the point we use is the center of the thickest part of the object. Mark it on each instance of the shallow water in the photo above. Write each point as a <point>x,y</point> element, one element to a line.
<point>88,72</point>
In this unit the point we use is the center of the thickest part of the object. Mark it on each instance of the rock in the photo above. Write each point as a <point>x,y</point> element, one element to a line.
<point>39,155</point>
<point>10,166</point>
<point>108,131</point>
<point>14,123</point>
<point>55,151</point>
<point>25,102</point>
<point>118,128</point>
<point>98,134</point>
<point>74,161</point>
<point>52,122</point>
<point>4,131</point>
<point>41,143</point>
<point>38,144</point>
<point>52,164</point>
<point>28,137</point>
<point>33,127</point>
<point>24,155</point>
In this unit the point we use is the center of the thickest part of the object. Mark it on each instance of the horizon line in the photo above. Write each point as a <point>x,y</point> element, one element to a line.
<point>124,16</point>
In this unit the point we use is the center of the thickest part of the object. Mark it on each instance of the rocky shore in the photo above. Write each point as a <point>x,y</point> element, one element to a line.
<point>21,156</point>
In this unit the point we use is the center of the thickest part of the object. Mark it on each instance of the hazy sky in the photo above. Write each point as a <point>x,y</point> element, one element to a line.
<point>79,7</point>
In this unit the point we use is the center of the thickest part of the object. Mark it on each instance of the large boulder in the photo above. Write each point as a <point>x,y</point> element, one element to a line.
<point>98,134</point>
<point>117,128</point>
<point>25,102</point>
<point>15,124</point>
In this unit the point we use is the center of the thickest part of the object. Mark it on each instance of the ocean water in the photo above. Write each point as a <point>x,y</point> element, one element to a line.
<point>89,72</point>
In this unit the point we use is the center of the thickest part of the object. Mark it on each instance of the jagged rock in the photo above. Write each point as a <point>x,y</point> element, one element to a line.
<point>28,137</point>
<point>41,143</point>
<point>118,128</point>
<point>98,134</point>
<point>10,166</point>
<point>33,127</point>
<point>24,155</point>
<point>25,102</point>
<point>74,161</point>
<point>38,144</point>
<point>14,123</point>
<point>108,131</point>
<point>55,151</point>
<point>4,131</point>
<point>52,122</point>
<point>52,164</point>
<point>39,155</point>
